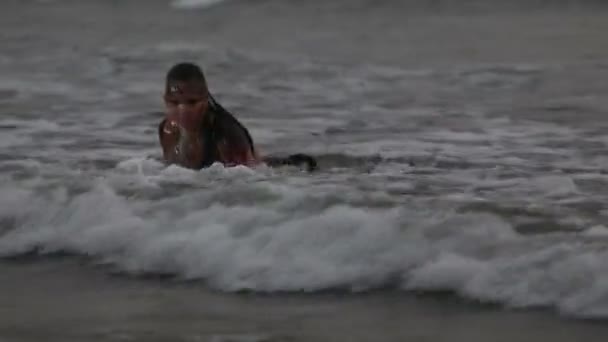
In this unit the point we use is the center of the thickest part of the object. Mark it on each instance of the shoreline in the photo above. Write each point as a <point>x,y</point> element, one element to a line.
<point>64,301</point>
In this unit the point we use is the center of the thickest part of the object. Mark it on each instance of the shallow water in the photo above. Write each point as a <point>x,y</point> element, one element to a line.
<point>460,149</point>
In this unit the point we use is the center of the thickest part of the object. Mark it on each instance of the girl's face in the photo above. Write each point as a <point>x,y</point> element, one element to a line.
<point>186,104</point>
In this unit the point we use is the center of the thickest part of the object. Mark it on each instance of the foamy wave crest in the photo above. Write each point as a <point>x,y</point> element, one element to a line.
<point>266,232</point>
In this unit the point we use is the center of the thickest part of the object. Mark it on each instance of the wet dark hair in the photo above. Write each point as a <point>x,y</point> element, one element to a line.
<point>185,72</point>
<point>190,72</point>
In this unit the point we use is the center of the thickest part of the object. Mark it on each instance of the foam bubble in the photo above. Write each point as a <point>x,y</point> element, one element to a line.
<point>186,4</point>
<point>446,272</point>
<point>555,185</point>
<point>599,231</point>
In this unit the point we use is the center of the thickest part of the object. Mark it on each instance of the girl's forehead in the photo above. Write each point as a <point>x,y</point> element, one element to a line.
<point>186,88</point>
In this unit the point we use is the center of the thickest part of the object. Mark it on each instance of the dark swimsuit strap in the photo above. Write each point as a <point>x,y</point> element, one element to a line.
<point>210,152</point>
<point>212,133</point>
<point>217,109</point>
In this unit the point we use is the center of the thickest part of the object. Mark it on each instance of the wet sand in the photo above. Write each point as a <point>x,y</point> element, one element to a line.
<point>65,301</point>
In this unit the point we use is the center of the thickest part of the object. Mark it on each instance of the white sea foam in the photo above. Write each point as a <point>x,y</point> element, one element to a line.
<point>248,231</point>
